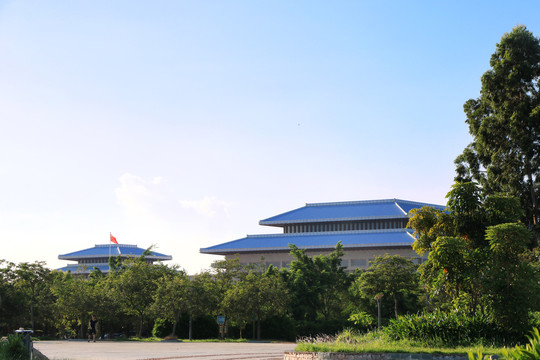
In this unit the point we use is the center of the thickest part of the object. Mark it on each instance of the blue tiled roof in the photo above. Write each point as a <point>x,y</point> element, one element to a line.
<point>314,240</point>
<point>84,268</point>
<point>344,211</point>
<point>113,250</point>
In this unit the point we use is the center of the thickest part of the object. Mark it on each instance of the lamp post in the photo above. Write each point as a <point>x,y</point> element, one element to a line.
<point>378,297</point>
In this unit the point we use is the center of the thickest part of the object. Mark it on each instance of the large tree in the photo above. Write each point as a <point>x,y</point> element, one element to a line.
<point>391,275</point>
<point>257,295</point>
<point>317,284</point>
<point>504,156</point>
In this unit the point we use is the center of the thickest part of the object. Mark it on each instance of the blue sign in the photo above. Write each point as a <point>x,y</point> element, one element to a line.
<point>221,320</point>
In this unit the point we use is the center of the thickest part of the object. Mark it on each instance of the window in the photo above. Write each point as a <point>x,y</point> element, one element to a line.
<point>355,263</point>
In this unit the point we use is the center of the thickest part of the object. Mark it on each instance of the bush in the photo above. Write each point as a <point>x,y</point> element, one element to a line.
<point>530,352</point>
<point>314,328</point>
<point>13,348</point>
<point>450,329</point>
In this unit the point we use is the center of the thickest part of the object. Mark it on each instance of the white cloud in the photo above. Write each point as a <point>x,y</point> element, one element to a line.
<point>135,196</point>
<point>208,206</point>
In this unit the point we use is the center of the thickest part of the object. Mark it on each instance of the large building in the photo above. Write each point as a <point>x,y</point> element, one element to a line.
<point>365,228</point>
<point>98,257</point>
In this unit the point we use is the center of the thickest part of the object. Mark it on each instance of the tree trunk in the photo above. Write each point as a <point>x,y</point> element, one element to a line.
<point>174,325</point>
<point>190,326</point>
<point>140,325</point>
<point>258,327</point>
<point>32,314</point>
<point>395,305</point>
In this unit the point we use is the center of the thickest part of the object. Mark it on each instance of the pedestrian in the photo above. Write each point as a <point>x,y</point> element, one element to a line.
<point>92,328</point>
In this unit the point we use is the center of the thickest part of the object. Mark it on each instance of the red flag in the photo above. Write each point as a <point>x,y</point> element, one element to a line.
<point>113,239</point>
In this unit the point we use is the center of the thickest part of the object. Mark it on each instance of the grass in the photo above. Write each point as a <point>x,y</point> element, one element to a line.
<point>376,342</point>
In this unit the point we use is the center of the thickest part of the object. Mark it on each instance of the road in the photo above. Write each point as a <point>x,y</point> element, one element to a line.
<point>129,350</point>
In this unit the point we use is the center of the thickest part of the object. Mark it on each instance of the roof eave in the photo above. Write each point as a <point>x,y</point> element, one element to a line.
<point>282,249</point>
<point>287,222</point>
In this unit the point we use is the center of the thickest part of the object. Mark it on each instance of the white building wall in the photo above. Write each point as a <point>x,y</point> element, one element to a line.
<point>352,259</point>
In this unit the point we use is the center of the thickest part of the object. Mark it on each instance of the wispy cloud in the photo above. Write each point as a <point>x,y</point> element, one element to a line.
<point>208,206</point>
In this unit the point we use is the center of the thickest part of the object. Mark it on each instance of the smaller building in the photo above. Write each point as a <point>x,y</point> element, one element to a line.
<point>98,257</point>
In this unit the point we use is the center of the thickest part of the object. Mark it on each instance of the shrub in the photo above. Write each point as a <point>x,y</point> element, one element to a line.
<point>530,352</point>
<point>450,329</point>
<point>13,348</point>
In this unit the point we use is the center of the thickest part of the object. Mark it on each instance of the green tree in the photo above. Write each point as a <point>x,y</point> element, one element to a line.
<point>428,223</point>
<point>11,299</point>
<point>256,295</point>
<point>73,302</point>
<point>391,275</point>
<point>172,296</point>
<point>512,282</point>
<point>33,279</point>
<point>135,287</point>
<point>317,285</point>
<point>504,156</point>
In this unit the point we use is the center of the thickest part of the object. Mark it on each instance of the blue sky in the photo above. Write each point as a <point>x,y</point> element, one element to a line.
<point>184,123</point>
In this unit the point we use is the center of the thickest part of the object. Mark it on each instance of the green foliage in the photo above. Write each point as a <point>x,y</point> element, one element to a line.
<point>450,329</point>
<point>428,223</point>
<point>317,285</point>
<point>256,296</point>
<point>505,124</point>
<point>393,276</point>
<point>531,351</point>
<point>172,296</point>
<point>376,342</point>
<point>465,206</point>
<point>362,320</point>
<point>204,327</point>
<point>511,281</point>
<point>13,348</point>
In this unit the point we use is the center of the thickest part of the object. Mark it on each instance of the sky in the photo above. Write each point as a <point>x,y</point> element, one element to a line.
<point>181,124</point>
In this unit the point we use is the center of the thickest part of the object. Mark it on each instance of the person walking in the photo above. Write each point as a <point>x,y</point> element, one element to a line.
<point>92,328</point>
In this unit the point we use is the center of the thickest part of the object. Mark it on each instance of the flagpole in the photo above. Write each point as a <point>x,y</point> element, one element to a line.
<point>110,234</point>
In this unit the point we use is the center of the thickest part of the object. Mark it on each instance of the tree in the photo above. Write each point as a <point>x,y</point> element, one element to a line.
<point>172,296</point>
<point>135,286</point>
<point>504,156</point>
<point>32,279</point>
<point>428,223</point>
<point>256,295</point>
<point>512,282</point>
<point>317,284</point>
<point>391,275</point>
<point>73,302</point>
<point>11,299</point>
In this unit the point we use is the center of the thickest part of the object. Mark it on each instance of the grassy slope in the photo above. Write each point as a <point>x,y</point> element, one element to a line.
<point>378,343</point>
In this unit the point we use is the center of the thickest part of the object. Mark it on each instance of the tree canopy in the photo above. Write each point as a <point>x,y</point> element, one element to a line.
<point>504,156</point>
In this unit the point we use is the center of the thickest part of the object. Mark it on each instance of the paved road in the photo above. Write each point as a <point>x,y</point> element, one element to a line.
<point>120,350</point>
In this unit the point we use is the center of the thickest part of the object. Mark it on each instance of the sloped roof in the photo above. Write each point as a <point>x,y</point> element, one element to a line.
<point>347,211</point>
<point>112,250</point>
<point>314,240</point>
<point>84,268</point>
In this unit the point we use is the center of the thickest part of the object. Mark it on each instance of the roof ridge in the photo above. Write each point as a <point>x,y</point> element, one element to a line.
<point>123,245</point>
<point>353,202</point>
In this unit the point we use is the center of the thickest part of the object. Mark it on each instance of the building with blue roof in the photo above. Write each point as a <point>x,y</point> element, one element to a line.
<point>365,228</point>
<point>98,257</point>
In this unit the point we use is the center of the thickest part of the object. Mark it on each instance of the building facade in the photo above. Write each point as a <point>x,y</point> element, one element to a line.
<point>365,228</point>
<point>98,257</point>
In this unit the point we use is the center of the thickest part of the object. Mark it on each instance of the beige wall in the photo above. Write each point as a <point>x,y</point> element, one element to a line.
<point>352,259</point>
